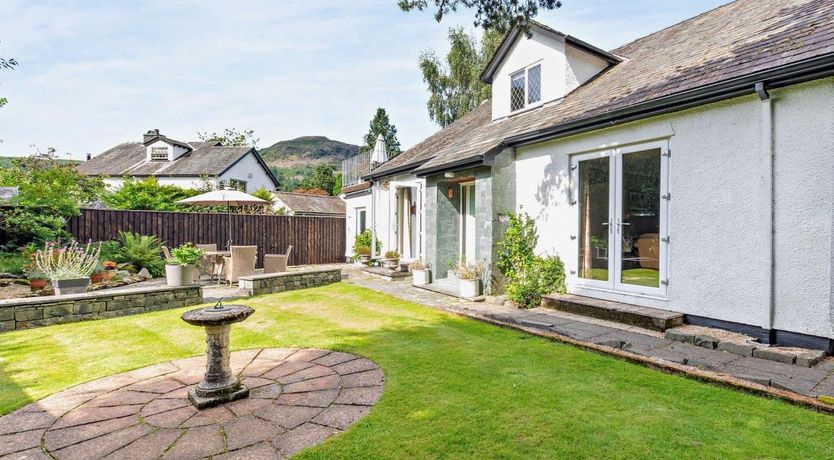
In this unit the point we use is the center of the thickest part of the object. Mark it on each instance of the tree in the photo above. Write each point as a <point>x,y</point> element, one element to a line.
<point>501,15</point>
<point>382,124</point>
<point>148,194</point>
<point>322,178</point>
<point>454,85</point>
<point>337,185</point>
<point>231,137</point>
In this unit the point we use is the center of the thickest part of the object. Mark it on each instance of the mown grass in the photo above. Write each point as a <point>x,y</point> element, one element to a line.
<point>455,388</point>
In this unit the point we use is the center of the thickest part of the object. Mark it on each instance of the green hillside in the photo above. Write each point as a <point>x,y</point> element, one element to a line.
<point>5,162</point>
<point>307,150</point>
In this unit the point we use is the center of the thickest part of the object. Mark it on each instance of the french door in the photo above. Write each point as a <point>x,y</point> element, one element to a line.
<point>623,207</point>
<point>467,223</point>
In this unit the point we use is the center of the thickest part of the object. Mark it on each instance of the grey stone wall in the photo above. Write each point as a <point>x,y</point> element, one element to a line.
<point>503,202</point>
<point>289,281</point>
<point>442,225</point>
<point>44,311</point>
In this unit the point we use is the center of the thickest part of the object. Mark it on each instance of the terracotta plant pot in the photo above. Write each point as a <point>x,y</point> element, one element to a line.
<point>97,278</point>
<point>109,274</point>
<point>38,284</point>
<point>73,286</point>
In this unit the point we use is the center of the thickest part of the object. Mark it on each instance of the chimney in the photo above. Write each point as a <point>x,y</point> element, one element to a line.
<point>89,156</point>
<point>150,135</point>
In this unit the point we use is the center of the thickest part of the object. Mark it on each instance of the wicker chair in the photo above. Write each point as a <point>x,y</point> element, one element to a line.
<point>166,253</point>
<point>241,262</point>
<point>276,263</point>
<point>207,262</point>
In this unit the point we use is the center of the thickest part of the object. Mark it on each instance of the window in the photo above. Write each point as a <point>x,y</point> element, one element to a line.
<point>236,184</point>
<point>159,153</point>
<point>360,220</point>
<point>517,91</point>
<point>525,87</point>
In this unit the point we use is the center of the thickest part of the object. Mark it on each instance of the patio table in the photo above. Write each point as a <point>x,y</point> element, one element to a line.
<point>215,260</point>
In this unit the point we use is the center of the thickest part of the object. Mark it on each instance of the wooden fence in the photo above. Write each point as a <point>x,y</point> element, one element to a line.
<point>315,240</point>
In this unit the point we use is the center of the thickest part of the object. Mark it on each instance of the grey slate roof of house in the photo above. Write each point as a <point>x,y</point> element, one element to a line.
<point>8,195</point>
<point>741,39</point>
<point>305,204</point>
<point>129,158</point>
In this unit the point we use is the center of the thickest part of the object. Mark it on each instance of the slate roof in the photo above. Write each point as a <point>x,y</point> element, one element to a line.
<point>129,159</point>
<point>741,39</point>
<point>8,195</point>
<point>318,205</point>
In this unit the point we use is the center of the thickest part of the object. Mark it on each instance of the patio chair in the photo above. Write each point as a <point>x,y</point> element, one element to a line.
<point>207,262</point>
<point>240,263</point>
<point>166,253</point>
<point>277,263</point>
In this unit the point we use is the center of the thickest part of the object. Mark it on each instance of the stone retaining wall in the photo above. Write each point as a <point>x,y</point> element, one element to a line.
<point>289,281</point>
<point>44,311</point>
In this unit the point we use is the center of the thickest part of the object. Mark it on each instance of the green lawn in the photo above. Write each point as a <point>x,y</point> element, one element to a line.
<point>636,276</point>
<point>454,387</point>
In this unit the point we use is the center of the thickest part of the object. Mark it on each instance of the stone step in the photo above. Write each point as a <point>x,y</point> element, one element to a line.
<point>634,315</point>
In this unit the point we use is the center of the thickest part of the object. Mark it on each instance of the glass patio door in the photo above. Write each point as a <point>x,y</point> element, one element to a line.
<point>467,224</point>
<point>622,219</point>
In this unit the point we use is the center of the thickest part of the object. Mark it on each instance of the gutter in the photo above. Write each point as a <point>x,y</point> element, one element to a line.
<point>453,166</point>
<point>789,74</point>
<point>406,167</point>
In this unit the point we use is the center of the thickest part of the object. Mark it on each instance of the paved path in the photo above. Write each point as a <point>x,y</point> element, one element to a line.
<point>299,398</point>
<point>811,382</point>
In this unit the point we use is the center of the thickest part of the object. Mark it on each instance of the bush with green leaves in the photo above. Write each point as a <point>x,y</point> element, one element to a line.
<point>142,251</point>
<point>530,276</point>
<point>363,240</point>
<point>28,225</point>
<point>540,276</point>
<point>186,255</point>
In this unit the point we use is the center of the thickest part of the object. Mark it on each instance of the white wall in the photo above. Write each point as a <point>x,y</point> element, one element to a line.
<point>158,143</point>
<point>716,178</point>
<point>581,67</point>
<point>352,203</point>
<point>247,166</point>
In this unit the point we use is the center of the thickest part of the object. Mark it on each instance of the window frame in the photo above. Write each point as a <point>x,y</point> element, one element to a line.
<point>236,184</point>
<point>159,158</point>
<point>524,72</point>
<point>361,221</point>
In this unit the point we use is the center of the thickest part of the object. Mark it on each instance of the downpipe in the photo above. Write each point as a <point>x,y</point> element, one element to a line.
<point>768,250</point>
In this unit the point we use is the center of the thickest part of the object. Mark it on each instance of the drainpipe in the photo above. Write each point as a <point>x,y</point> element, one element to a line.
<point>768,248</point>
<point>373,219</point>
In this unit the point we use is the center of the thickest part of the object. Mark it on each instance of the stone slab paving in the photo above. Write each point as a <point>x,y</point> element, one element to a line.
<point>811,382</point>
<point>299,398</point>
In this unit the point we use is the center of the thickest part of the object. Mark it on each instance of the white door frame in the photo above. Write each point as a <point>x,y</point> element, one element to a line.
<point>393,206</point>
<point>615,212</point>
<point>464,209</point>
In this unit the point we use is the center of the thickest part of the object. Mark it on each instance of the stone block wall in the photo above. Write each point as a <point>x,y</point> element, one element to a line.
<point>44,311</point>
<point>289,281</point>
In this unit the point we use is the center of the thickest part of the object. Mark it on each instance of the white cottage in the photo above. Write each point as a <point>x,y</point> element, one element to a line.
<point>184,164</point>
<point>690,170</point>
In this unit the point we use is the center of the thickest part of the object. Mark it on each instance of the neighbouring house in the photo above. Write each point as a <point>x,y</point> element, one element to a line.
<point>184,164</point>
<point>302,204</point>
<point>8,196</point>
<point>689,170</point>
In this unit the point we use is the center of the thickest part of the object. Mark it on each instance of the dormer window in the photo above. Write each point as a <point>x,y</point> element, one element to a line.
<point>159,153</point>
<point>525,87</point>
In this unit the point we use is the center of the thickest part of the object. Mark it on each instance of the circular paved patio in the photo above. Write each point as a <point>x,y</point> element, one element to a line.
<point>298,398</point>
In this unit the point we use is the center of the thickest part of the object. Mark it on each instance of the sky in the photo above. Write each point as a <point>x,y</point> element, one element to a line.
<point>93,74</point>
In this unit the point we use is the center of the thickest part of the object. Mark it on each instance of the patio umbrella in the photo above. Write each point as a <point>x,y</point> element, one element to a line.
<point>224,197</point>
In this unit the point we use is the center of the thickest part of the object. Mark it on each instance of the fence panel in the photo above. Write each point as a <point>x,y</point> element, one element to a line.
<point>315,240</point>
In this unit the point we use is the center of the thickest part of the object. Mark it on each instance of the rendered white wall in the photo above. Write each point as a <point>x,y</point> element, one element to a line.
<point>716,181</point>
<point>246,166</point>
<point>352,203</point>
<point>157,144</point>
<point>581,67</point>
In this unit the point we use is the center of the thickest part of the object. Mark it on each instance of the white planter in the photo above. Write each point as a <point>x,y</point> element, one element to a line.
<point>73,286</point>
<point>391,264</point>
<point>179,275</point>
<point>420,277</point>
<point>469,288</point>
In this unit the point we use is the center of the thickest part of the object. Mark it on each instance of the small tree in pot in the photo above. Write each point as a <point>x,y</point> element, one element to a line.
<point>420,273</point>
<point>469,279</point>
<point>391,260</point>
<point>68,267</point>
<point>179,269</point>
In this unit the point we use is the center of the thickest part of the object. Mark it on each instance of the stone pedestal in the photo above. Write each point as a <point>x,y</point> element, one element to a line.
<point>219,385</point>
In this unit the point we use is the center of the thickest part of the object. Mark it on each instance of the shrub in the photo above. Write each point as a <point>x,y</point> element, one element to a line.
<point>515,250</point>
<point>70,262</point>
<point>187,254</point>
<point>363,240</point>
<point>27,225</point>
<point>392,255</point>
<point>13,262</point>
<point>540,276</point>
<point>363,251</point>
<point>470,272</point>
<point>142,252</point>
<point>418,265</point>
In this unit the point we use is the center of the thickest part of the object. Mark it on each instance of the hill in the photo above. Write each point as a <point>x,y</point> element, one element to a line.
<point>307,151</point>
<point>5,162</point>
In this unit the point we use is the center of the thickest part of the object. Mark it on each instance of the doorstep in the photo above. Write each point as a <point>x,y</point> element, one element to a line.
<point>386,273</point>
<point>635,315</point>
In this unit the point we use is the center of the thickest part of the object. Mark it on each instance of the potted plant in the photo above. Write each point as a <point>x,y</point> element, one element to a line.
<point>98,274</point>
<point>68,267</point>
<point>391,260</point>
<point>37,279</point>
<point>420,273</point>
<point>110,269</point>
<point>364,253</point>
<point>179,269</point>
<point>469,279</point>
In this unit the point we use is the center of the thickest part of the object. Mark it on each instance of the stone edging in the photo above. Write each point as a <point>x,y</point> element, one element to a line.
<point>288,281</point>
<point>661,364</point>
<point>32,312</point>
<point>807,358</point>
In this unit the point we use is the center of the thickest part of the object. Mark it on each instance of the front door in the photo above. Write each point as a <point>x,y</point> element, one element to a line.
<point>622,219</point>
<point>467,223</point>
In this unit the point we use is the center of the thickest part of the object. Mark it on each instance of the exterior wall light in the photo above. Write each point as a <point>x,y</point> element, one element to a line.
<point>449,174</point>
